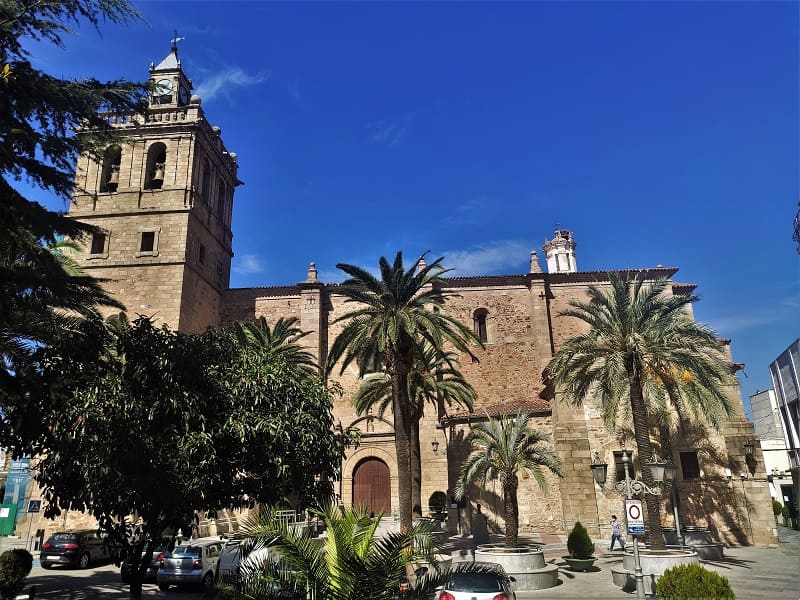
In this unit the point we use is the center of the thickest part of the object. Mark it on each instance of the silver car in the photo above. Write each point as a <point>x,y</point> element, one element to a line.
<point>192,562</point>
<point>489,582</point>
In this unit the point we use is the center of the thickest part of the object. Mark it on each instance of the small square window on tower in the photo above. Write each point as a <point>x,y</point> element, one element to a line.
<point>99,245</point>
<point>148,242</point>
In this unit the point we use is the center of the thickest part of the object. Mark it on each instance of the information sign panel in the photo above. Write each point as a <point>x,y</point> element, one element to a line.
<point>634,516</point>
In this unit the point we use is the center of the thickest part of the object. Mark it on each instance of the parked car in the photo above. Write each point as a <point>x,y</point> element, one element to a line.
<point>491,583</point>
<point>191,562</point>
<point>76,549</point>
<point>230,561</point>
<point>159,549</point>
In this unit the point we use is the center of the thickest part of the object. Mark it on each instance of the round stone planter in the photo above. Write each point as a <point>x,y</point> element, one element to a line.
<point>579,564</point>
<point>524,563</point>
<point>654,563</point>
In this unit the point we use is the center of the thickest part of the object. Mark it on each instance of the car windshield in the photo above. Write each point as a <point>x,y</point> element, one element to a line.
<point>474,582</point>
<point>187,552</point>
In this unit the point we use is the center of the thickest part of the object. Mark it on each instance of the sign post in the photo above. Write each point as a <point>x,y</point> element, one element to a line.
<point>634,515</point>
<point>34,506</point>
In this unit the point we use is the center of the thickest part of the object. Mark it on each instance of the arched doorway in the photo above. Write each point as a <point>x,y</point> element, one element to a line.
<point>371,486</point>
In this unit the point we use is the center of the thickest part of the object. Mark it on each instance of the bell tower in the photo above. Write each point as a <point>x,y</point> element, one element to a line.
<point>163,198</point>
<point>560,252</point>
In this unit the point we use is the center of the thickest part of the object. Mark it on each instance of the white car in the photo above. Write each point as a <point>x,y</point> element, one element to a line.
<point>231,559</point>
<point>190,563</point>
<point>488,582</point>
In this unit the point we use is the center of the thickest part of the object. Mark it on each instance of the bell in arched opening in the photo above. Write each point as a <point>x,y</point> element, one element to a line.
<point>158,174</point>
<point>113,179</point>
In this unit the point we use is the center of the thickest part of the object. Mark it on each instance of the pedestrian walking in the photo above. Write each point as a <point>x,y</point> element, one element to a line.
<point>616,533</point>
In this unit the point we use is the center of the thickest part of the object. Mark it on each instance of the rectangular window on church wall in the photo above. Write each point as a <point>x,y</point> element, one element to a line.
<point>98,243</point>
<point>690,467</point>
<point>201,254</point>
<point>148,241</point>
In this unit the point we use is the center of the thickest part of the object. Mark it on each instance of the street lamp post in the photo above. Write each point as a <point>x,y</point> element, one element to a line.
<point>670,473</point>
<point>630,488</point>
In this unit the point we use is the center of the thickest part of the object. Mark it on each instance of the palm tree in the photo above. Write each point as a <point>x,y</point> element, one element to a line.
<point>396,314</point>
<point>503,449</point>
<point>350,563</point>
<point>434,378</point>
<point>642,346</point>
<point>280,341</point>
<point>44,295</point>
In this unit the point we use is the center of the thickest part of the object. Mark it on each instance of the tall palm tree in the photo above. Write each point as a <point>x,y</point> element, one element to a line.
<point>642,346</point>
<point>394,315</point>
<point>277,341</point>
<point>435,379</point>
<point>503,449</point>
<point>350,563</point>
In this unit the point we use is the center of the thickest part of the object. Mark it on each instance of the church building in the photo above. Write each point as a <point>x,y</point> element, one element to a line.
<point>164,200</point>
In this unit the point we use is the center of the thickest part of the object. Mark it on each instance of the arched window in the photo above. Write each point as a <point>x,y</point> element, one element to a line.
<point>156,166</point>
<point>479,321</point>
<point>109,176</point>
<point>221,194</point>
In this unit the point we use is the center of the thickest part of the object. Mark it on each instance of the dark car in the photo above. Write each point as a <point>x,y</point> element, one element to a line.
<point>75,549</point>
<point>159,549</point>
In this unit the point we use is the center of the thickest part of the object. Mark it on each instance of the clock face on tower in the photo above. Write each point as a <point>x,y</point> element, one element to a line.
<point>183,96</point>
<point>162,91</point>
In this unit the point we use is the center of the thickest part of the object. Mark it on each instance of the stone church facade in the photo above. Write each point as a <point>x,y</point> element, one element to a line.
<point>164,201</point>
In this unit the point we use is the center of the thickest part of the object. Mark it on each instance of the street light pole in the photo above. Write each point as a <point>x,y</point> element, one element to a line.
<point>629,488</point>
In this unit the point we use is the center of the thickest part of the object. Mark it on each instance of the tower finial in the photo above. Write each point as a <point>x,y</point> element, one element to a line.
<point>174,41</point>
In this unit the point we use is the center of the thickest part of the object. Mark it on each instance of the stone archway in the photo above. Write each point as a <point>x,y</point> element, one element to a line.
<point>372,486</point>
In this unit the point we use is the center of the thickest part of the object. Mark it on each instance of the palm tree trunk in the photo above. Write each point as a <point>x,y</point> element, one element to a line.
<point>510,485</point>
<point>641,432</point>
<point>402,439</point>
<point>416,468</point>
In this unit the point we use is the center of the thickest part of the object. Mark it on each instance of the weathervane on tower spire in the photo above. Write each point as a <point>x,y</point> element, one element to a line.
<point>175,41</point>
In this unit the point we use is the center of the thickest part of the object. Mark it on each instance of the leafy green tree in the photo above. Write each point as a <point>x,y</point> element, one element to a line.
<point>503,449</point>
<point>642,348</point>
<point>168,424</point>
<point>278,341</point>
<point>434,379</point>
<point>393,317</point>
<point>41,296</point>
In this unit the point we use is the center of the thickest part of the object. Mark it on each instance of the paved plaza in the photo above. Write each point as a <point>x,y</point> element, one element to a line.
<point>771,573</point>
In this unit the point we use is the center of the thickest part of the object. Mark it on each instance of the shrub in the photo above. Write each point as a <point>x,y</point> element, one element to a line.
<point>14,568</point>
<point>785,512</point>
<point>690,582</point>
<point>579,544</point>
<point>437,502</point>
<point>777,507</point>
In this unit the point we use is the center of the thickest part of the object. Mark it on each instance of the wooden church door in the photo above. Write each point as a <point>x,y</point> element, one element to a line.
<point>371,486</point>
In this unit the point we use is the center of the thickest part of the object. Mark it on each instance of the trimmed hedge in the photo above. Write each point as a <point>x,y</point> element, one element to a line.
<point>693,582</point>
<point>14,568</point>
<point>579,544</point>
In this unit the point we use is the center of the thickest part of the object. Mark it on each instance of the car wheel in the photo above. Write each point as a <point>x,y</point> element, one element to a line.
<point>83,561</point>
<point>163,586</point>
<point>208,581</point>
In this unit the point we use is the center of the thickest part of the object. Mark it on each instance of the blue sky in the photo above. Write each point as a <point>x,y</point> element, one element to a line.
<point>660,133</point>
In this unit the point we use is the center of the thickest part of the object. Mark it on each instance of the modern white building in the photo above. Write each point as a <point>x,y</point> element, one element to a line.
<point>767,426</point>
<point>786,383</point>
